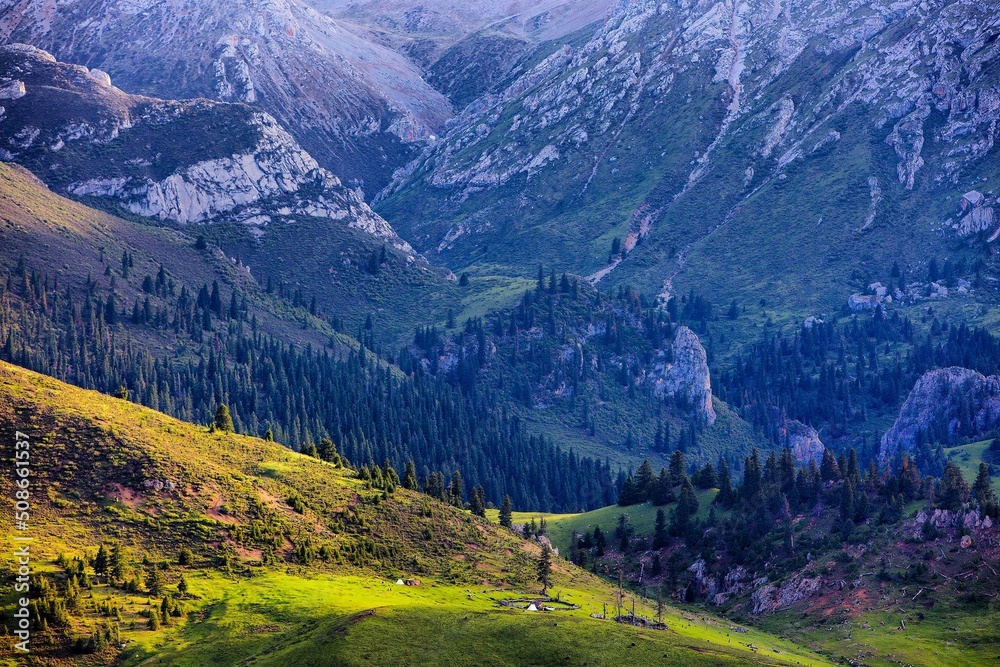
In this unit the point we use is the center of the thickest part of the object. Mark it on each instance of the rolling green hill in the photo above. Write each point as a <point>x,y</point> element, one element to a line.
<point>288,559</point>
<point>561,527</point>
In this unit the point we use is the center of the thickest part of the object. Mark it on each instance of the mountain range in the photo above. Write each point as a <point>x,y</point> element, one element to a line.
<point>645,331</point>
<point>738,148</point>
<point>345,78</point>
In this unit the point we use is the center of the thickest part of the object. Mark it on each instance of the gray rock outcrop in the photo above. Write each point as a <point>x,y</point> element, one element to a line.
<point>951,524</point>
<point>956,401</point>
<point>771,597</point>
<point>803,440</point>
<point>686,377</point>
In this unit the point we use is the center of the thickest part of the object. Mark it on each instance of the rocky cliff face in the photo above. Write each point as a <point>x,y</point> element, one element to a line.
<point>187,162</point>
<point>355,104</point>
<point>685,378</point>
<point>803,440</point>
<point>577,95</point>
<point>693,124</point>
<point>944,402</point>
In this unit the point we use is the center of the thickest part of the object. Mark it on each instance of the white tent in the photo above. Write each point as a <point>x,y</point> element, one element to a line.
<point>532,607</point>
<point>399,582</point>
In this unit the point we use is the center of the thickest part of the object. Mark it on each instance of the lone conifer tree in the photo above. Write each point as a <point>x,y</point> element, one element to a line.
<point>983,488</point>
<point>410,476</point>
<point>660,532</point>
<point>545,568</point>
<point>223,420</point>
<point>101,560</point>
<point>478,501</point>
<point>506,510</point>
<point>457,490</point>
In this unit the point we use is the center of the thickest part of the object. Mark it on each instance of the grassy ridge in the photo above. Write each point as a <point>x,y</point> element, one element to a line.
<point>92,457</point>
<point>71,242</point>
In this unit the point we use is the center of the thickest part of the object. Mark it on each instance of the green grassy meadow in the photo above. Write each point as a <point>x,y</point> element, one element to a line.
<point>276,582</point>
<point>284,619</point>
<point>642,517</point>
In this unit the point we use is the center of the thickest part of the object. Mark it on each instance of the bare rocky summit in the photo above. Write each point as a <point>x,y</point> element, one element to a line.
<point>186,162</point>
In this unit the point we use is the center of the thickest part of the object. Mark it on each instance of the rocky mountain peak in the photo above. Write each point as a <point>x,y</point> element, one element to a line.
<point>164,159</point>
<point>357,105</point>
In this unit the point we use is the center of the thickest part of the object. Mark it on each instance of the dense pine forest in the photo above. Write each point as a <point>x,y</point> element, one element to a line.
<point>586,355</point>
<point>369,409</point>
<point>842,377</point>
<point>455,398</point>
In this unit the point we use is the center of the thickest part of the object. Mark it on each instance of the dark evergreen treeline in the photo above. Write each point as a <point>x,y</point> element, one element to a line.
<point>589,355</point>
<point>582,355</point>
<point>775,490</point>
<point>753,524</point>
<point>370,411</point>
<point>836,376</point>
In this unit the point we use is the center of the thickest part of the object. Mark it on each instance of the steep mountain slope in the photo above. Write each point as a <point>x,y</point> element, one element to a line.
<point>72,248</point>
<point>226,168</point>
<point>254,551</point>
<point>466,47</point>
<point>446,22</point>
<point>186,162</point>
<point>735,147</point>
<point>357,106</point>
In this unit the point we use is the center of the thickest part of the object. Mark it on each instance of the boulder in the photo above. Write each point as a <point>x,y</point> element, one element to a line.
<point>772,597</point>
<point>11,89</point>
<point>101,77</point>
<point>975,221</point>
<point>862,302</point>
<point>972,198</point>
